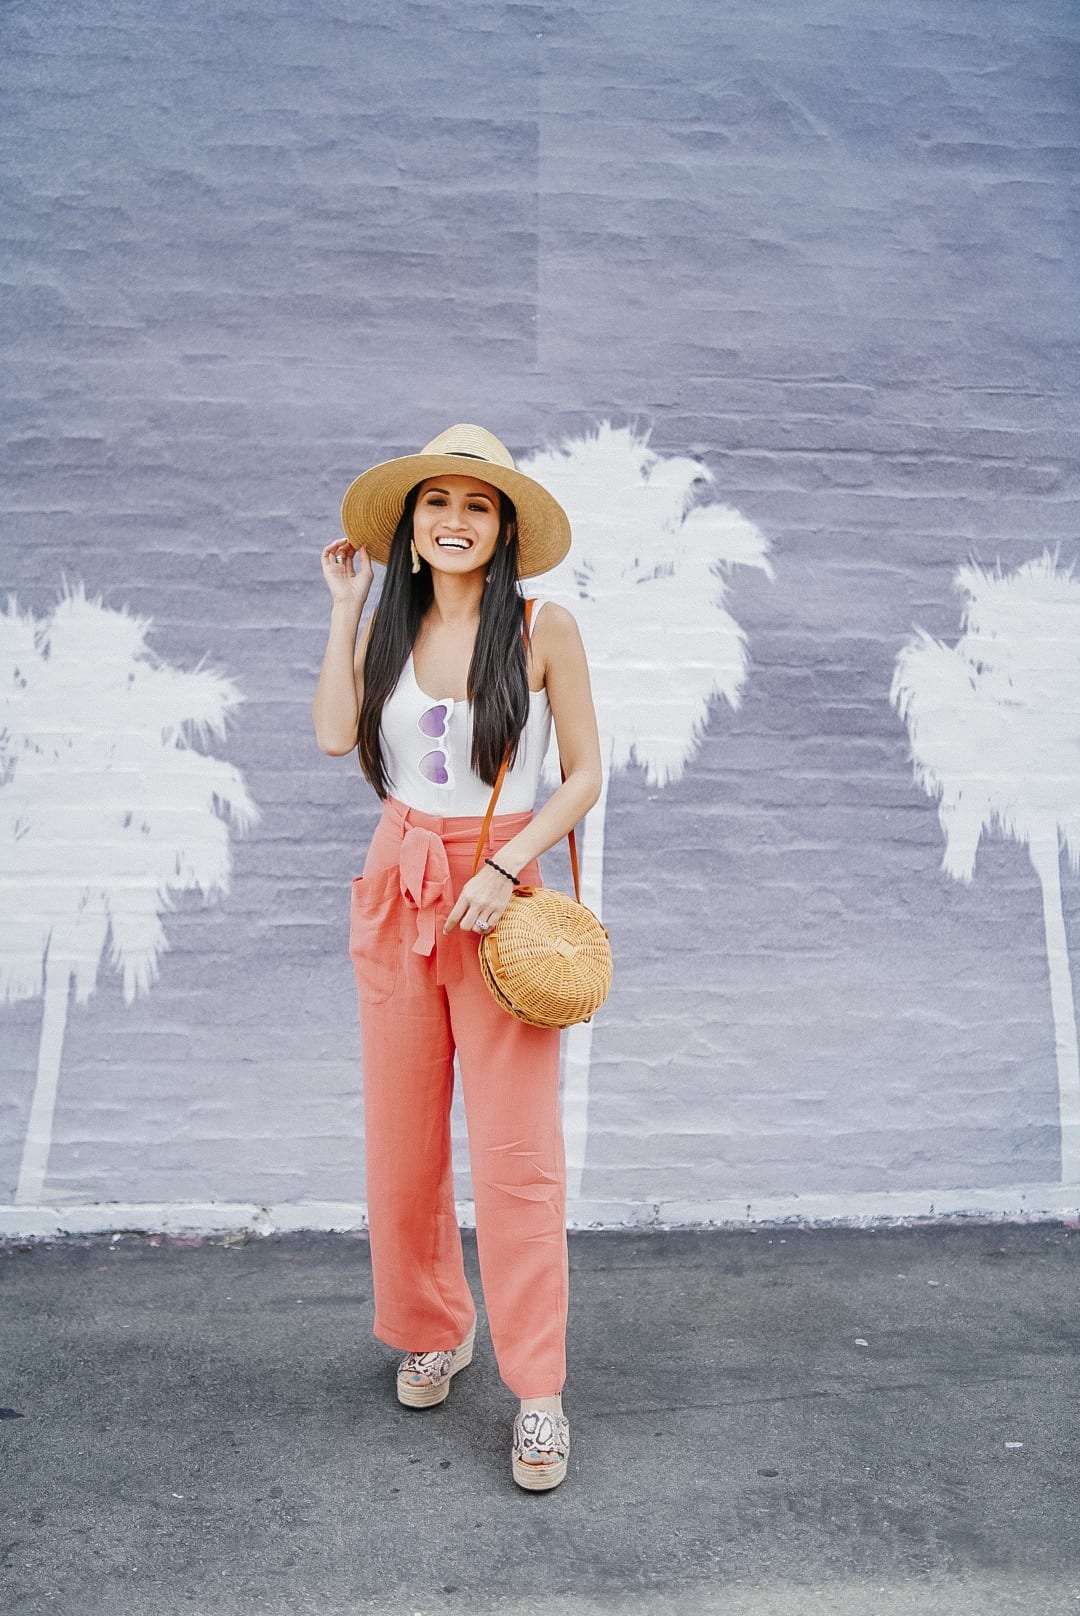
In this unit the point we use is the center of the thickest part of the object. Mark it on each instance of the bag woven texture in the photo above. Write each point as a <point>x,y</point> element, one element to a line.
<point>548,961</point>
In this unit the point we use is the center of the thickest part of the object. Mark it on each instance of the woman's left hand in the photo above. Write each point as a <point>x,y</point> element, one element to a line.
<point>480,903</point>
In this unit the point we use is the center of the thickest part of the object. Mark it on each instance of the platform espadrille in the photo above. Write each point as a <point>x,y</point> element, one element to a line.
<point>423,1378</point>
<point>546,1435</point>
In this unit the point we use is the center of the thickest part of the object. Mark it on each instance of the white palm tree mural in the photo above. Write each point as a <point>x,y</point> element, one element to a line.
<point>107,810</point>
<point>994,724</point>
<point>647,580</point>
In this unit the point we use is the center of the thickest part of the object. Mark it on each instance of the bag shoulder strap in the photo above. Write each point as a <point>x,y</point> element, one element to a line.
<point>500,777</point>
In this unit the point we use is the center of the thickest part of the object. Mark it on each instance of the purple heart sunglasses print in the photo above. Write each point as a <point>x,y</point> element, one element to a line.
<point>434,722</point>
<point>435,766</point>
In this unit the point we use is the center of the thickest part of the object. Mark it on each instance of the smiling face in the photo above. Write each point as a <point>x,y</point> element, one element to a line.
<point>456,523</point>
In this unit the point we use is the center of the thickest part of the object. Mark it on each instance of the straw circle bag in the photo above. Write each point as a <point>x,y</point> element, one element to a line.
<point>548,960</point>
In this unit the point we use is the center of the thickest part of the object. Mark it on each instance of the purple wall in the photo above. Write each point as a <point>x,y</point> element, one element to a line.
<point>827,249</point>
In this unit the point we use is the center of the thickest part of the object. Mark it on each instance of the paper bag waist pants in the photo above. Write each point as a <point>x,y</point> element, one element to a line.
<point>421,998</point>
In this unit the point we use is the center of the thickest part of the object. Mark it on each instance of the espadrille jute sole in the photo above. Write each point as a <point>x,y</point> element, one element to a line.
<point>537,1478</point>
<point>426,1396</point>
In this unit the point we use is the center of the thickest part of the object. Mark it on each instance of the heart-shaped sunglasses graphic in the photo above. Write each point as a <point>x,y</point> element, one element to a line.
<point>434,766</point>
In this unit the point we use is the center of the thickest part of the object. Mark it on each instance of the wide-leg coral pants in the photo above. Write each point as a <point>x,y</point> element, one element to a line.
<point>421,997</point>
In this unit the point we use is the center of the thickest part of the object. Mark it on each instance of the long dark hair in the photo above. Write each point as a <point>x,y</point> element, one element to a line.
<point>498,685</point>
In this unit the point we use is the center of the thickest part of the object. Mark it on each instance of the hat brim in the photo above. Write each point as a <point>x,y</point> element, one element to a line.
<point>374,501</point>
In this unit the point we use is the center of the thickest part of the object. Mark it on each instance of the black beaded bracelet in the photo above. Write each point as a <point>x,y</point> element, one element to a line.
<point>501,871</point>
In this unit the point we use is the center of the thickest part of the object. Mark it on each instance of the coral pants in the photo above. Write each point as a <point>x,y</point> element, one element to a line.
<point>421,997</point>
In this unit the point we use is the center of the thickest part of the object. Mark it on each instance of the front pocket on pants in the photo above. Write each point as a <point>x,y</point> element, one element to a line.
<point>375,933</point>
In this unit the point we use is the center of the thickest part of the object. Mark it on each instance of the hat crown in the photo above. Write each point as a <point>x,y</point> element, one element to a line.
<point>472,443</point>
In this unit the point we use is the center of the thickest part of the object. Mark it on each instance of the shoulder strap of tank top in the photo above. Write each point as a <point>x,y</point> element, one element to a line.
<point>501,776</point>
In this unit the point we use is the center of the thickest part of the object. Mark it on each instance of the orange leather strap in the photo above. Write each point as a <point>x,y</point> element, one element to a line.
<point>500,777</point>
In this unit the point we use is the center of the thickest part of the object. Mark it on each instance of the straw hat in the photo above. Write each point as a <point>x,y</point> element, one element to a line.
<point>373,503</point>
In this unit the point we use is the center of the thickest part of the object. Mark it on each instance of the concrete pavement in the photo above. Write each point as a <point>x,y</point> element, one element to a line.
<point>784,1421</point>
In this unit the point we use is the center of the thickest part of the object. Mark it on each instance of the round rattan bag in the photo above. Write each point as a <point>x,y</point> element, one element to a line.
<point>548,961</point>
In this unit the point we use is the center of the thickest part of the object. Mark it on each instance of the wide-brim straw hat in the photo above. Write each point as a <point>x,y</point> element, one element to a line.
<point>374,501</point>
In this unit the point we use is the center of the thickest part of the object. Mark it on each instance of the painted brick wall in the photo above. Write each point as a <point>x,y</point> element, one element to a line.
<point>826,249</point>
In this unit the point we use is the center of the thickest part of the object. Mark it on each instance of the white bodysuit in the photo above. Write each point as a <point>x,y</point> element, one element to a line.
<point>427,743</point>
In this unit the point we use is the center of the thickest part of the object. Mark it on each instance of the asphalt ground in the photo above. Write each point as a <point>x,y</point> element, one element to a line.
<point>782,1422</point>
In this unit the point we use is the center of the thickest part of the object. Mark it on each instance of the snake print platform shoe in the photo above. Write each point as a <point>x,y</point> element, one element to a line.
<point>547,1438</point>
<point>423,1378</point>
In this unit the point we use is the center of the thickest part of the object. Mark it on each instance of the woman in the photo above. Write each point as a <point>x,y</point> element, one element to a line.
<point>445,677</point>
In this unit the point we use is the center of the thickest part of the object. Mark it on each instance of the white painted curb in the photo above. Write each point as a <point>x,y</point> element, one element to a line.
<point>1025,1203</point>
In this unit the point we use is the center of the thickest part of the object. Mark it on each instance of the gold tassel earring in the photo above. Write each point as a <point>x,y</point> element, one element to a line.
<point>415,556</point>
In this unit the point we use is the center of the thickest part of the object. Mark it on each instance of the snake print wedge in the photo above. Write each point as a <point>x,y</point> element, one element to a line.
<point>423,1378</point>
<point>547,1438</point>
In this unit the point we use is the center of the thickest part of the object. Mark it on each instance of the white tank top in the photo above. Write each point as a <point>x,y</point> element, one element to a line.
<point>427,745</point>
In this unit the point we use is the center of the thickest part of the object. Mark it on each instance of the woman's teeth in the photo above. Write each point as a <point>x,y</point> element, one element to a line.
<point>453,544</point>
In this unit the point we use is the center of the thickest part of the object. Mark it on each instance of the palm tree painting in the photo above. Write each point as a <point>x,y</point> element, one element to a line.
<point>994,726</point>
<point>647,580</point>
<point>107,809</point>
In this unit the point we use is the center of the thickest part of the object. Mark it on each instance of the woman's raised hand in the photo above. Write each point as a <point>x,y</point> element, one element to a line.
<point>348,573</point>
